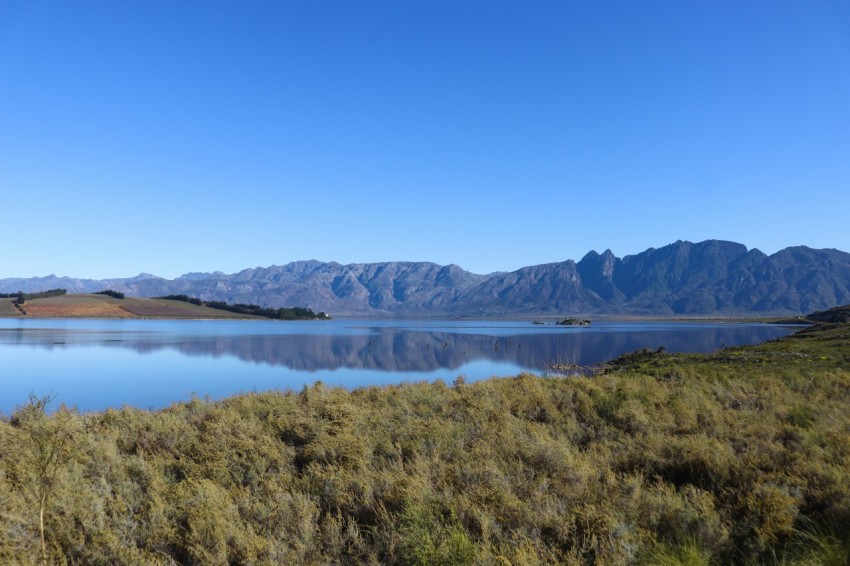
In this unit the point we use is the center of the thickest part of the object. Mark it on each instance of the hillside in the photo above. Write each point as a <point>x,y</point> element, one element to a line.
<point>701,279</point>
<point>836,315</point>
<point>103,306</point>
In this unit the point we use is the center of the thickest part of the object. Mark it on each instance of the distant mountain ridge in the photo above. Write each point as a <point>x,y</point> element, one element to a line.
<point>707,278</point>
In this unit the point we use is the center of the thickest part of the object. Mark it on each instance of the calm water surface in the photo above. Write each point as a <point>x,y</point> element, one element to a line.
<point>95,364</point>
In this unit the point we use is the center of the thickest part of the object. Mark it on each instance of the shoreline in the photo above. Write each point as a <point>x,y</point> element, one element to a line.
<point>701,437</point>
<point>549,319</point>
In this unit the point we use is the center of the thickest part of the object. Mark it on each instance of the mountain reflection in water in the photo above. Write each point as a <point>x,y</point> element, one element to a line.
<point>403,348</point>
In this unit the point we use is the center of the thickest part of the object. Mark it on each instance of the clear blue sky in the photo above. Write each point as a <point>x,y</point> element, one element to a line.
<point>170,137</point>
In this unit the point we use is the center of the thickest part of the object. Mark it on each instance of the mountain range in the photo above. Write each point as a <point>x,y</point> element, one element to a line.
<point>707,278</point>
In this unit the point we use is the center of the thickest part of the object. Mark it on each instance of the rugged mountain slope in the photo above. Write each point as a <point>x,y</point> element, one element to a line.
<point>597,275</point>
<point>678,278</point>
<point>554,287</point>
<point>711,277</point>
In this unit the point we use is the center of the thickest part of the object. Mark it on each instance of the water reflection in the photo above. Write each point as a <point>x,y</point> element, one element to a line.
<point>399,349</point>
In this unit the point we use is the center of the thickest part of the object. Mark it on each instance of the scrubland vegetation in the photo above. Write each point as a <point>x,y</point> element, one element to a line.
<point>742,456</point>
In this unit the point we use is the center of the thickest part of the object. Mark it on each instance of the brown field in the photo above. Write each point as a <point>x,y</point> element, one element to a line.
<point>74,307</point>
<point>173,309</point>
<point>65,300</point>
<point>155,310</point>
<point>104,306</point>
<point>7,308</point>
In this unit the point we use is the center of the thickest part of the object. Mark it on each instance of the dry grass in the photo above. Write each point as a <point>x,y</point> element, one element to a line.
<point>7,308</point>
<point>74,299</point>
<point>104,306</point>
<point>48,308</point>
<point>153,308</point>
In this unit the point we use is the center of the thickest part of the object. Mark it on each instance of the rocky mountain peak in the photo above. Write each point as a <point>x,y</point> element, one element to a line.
<point>709,277</point>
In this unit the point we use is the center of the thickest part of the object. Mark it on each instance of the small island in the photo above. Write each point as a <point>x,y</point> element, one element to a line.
<point>564,322</point>
<point>574,322</point>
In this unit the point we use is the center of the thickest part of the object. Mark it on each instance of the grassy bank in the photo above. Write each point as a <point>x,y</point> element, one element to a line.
<point>739,456</point>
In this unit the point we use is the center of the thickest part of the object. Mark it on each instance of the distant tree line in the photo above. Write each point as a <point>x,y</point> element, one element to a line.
<point>20,296</point>
<point>293,313</point>
<point>111,293</point>
<point>184,298</point>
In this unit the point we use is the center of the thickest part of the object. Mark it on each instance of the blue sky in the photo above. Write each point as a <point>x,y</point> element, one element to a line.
<point>169,137</point>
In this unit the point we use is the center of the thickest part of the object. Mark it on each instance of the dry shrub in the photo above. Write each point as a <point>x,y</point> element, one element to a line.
<point>680,460</point>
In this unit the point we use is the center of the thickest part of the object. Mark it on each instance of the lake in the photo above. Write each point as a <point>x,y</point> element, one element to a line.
<point>96,364</point>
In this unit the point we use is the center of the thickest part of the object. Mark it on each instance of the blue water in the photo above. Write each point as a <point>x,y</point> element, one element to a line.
<point>96,364</point>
